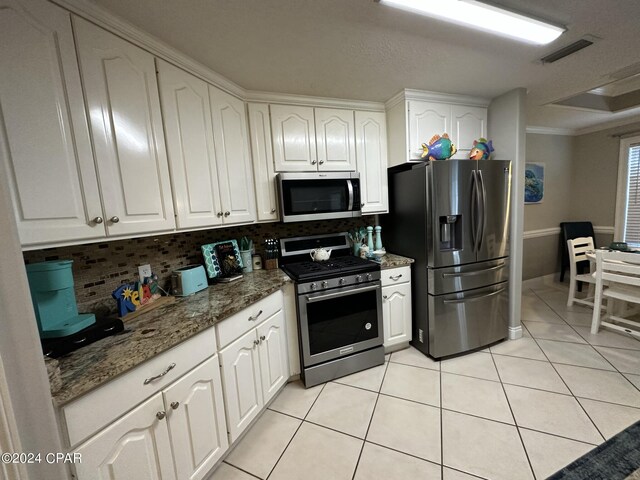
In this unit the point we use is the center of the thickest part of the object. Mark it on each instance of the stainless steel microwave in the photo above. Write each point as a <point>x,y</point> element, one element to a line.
<point>319,196</point>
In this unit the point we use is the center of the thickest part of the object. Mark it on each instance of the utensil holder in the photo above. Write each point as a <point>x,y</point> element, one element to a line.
<point>247,265</point>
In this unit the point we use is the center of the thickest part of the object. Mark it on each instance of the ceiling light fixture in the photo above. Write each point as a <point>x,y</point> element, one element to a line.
<point>485,17</point>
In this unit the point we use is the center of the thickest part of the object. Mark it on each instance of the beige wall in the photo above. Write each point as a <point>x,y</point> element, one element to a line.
<point>581,177</point>
<point>541,255</point>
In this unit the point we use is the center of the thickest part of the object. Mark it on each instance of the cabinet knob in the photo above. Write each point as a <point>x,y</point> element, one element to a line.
<point>262,338</point>
<point>321,162</point>
<point>114,219</point>
<point>161,415</point>
<point>256,343</point>
<point>226,214</point>
<point>361,205</point>
<point>219,214</point>
<point>273,210</point>
<point>175,405</point>
<point>384,296</point>
<point>98,220</point>
<point>313,162</point>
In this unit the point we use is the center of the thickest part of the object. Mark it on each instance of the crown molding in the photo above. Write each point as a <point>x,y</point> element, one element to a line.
<point>427,96</point>
<point>304,100</point>
<point>551,130</point>
<point>131,33</point>
<point>609,125</point>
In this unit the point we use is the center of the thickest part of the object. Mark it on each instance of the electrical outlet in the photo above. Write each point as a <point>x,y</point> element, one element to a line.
<point>144,271</point>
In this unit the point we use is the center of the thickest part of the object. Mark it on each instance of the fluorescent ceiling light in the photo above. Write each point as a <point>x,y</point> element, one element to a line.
<point>483,16</point>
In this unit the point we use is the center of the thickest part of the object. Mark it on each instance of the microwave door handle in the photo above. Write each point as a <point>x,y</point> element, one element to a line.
<point>350,189</point>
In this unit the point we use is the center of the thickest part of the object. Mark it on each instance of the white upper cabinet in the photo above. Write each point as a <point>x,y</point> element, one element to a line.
<point>426,119</point>
<point>467,124</point>
<point>263,169</point>
<point>44,136</point>
<point>414,117</point>
<point>335,139</point>
<point>192,161</point>
<point>121,93</point>
<point>232,155</point>
<point>371,154</point>
<point>294,138</point>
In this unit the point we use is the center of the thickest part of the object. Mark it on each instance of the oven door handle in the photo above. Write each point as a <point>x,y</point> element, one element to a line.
<point>329,296</point>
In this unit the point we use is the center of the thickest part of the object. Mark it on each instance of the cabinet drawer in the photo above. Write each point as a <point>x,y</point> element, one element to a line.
<point>103,405</point>
<point>236,325</point>
<point>395,275</point>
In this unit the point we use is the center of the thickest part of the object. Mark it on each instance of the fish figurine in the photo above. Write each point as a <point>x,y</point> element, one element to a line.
<point>439,148</point>
<point>481,149</point>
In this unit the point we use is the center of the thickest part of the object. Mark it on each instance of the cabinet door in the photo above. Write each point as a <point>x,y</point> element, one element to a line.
<point>192,160</point>
<point>294,138</point>
<point>467,124</point>
<point>136,447</point>
<point>335,140</point>
<point>44,136</point>
<point>396,313</point>
<point>264,174</point>
<point>124,109</point>
<point>426,119</point>
<point>371,152</point>
<point>273,355</point>
<point>232,154</point>
<point>241,380</point>
<point>195,411</point>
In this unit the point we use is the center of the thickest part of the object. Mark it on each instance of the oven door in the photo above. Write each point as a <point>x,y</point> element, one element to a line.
<point>339,322</point>
<point>318,196</point>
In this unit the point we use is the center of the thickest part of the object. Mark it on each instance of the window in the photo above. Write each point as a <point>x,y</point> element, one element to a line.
<point>628,202</point>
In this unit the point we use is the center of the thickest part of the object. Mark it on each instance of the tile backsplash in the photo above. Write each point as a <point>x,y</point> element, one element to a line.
<point>99,268</point>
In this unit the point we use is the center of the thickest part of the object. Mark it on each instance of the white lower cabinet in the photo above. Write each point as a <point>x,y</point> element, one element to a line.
<point>179,433</point>
<point>254,367</point>
<point>136,447</point>
<point>396,306</point>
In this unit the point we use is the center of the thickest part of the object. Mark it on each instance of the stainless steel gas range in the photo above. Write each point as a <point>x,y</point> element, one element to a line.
<point>339,306</point>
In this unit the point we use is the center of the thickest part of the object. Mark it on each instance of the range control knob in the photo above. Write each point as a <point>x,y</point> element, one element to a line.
<point>358,278</point>
<point>325,284</point>
<point>341,281</point>
<point>369,277</point>
<point>313,286</point>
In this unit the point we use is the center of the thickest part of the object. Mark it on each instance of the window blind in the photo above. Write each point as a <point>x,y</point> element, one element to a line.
<point>632,217</point>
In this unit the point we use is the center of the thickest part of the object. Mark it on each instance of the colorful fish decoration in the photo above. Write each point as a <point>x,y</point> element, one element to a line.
<point>481,149</point>
<point>439,148</point>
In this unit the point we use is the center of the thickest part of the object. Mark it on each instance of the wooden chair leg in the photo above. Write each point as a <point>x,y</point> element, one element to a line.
<point>597,303</point>
<point>572,292</point>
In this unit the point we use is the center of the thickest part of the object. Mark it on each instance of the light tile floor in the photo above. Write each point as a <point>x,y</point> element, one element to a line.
<point>521,409</point>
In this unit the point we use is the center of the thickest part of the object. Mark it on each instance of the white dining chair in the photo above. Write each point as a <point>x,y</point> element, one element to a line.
<point>621,272</point>
<point>578,248</point>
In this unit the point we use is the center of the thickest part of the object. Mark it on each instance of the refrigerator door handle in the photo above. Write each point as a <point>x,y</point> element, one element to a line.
<point>483,216</point>
<point>474,190</point>
<point>477,297</point>
<point>474,272</point>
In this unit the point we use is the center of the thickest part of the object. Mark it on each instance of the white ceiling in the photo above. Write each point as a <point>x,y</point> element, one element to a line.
<point>358,49</point>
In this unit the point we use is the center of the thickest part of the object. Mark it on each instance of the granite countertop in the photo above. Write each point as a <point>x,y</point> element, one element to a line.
<point>157,331</point>
<point>392,261</point>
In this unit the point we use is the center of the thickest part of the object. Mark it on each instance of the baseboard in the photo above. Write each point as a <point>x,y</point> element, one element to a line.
<point>515,332</point>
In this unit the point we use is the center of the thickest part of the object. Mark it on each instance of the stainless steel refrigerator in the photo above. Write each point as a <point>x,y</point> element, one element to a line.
<point>452,217</point>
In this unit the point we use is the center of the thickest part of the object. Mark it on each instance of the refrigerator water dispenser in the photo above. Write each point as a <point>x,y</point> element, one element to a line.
<point>450,232</point>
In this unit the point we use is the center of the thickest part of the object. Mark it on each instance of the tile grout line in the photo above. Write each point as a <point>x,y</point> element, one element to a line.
<point>441,425</point>
<point>568,388</point>
<point>495,365</point>
<point>373,412</point>
<point>295,433</point>
<point>238,468</point>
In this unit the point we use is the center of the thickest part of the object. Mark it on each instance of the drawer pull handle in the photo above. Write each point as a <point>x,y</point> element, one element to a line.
<point>151,379</point>
<point>161,415</point>
<point>474,272</point>
<point>255,317</point>
<point>395,277</point>
<point>175,405</point>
